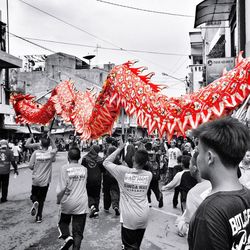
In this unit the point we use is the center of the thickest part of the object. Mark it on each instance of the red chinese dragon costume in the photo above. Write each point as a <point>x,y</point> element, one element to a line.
<point>93,116</point>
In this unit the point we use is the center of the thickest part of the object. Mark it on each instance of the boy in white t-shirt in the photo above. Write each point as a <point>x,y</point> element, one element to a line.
<point>72,197</point>
<point>133,183</point>
<point>172,154</point>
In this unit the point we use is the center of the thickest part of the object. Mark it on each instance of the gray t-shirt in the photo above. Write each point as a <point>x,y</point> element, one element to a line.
<point>72,186</point>
<point>133,184</point>
<point>41,164</point>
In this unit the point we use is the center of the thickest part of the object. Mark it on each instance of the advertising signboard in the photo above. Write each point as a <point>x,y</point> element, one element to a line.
<point>215,67</point>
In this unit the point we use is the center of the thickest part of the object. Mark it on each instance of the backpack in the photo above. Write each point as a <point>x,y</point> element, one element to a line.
<point>154,167</point>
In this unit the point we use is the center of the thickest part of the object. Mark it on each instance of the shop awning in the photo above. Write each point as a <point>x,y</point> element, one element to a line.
<point>25,130</point>
<point>20,129</point>
<point>62,130</point>
<point>213,10</point>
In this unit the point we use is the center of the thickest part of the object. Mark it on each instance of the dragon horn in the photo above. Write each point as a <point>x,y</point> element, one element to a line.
<point>134,61</point>
<point>149,75</point>
<point>131,63</point>
<point>141,69</point>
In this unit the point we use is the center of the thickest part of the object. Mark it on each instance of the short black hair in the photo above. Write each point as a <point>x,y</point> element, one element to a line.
<point>179,159</point>
<point>74,154</point>
<point>73,145</point>
<point>45,142</point>
<point>148,146</point>
<point>110,139</point>
<point>111,149</point>
<point>185,160</point>
<point>141,157</point>
<point>228,137</point>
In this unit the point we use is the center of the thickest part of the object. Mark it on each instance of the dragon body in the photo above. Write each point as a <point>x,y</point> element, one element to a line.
<point>92,115</point>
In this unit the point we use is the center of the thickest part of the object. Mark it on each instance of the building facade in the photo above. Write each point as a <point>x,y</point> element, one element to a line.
<point>7,62</point>
<point>56,68</point>
<point>196,64</point>
<point>224,26</point>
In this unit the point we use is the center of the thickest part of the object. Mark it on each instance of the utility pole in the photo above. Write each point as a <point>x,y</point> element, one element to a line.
<point>7,82</point>
<point>8,27</point>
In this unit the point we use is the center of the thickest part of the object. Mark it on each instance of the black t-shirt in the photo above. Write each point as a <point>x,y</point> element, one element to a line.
<point>94,168</point>
<point>177,168</point>
<point>187,182</point>
<point>222,221</point>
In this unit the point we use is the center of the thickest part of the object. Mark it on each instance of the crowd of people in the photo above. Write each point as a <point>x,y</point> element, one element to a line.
<point>209,175</point>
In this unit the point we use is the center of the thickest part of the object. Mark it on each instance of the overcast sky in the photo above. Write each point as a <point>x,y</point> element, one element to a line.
<point>108,26</point>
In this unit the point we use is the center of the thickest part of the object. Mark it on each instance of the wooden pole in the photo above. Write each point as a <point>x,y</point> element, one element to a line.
<point>51,125</point>
<point>28,126</point>
<point>49,91</point>
<point>122,124</point>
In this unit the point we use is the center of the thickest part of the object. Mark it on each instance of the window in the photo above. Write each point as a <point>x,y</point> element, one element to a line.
<point>101,77</point>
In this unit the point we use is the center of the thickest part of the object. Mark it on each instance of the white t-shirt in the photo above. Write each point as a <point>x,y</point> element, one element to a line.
<point>16,150</point>
<point>195,196</point>
<point>245,175</point>
<point>72,183</point>
<point>172,154</point>
<point>133,184</point>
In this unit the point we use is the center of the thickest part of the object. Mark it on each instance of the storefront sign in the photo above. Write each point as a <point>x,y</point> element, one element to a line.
<point>215,67</point>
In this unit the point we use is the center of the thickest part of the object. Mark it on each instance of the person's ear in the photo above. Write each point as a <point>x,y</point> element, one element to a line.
<point>210,157</point>
<point>196,169</point>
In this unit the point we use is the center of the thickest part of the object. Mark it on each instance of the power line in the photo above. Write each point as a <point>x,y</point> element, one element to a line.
<point>25,39</point>
<point>180,66</point>
<point>106,48</point>
<point>176,63</point>
<point>82,30</point>
<point>38,45</point>
<point>70,24</point>
<point>145,10</point>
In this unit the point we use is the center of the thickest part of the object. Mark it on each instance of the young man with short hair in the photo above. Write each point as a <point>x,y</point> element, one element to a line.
<point>133,183</point>
<point>172,153</point>
<point>41,164</point>
<point>222,221</point>
<point>73,199</point>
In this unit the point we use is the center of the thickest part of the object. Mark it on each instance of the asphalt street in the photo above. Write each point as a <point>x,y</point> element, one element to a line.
<point>18,229</point>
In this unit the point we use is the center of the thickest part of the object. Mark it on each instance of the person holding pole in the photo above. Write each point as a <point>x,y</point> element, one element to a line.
<point>41,165</point>
<point>133,184</point>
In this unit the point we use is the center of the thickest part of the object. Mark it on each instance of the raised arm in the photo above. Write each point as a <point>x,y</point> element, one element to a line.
<point>53,144</point>
<point>109,164</point>
<point>32,145</point>
<point>174,183</point>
